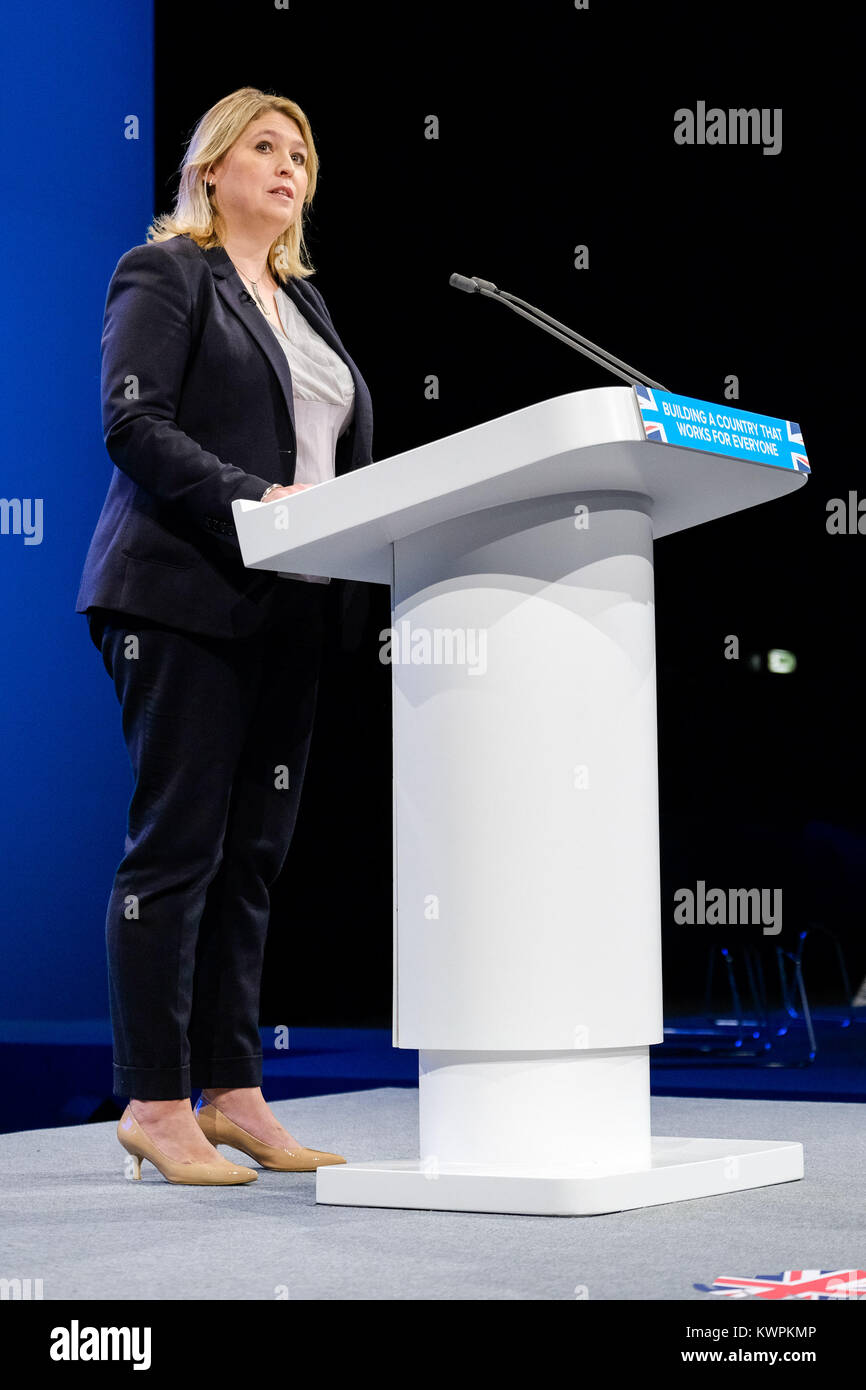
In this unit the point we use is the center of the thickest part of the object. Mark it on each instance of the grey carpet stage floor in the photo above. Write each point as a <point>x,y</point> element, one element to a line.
<point>72,1219</point>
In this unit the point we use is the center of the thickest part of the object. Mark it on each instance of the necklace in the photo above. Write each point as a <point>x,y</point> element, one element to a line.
<point>255,285</point>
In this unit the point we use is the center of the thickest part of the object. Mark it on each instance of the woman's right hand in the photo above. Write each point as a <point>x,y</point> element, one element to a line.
<point>277,492</point>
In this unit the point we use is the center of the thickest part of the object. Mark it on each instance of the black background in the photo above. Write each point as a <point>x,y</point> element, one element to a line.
<point>556,130</point>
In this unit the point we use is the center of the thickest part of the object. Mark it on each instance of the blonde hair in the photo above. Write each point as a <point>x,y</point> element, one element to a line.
<point>195,215</point>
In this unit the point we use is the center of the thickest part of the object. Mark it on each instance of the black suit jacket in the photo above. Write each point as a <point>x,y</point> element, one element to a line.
<point>197,410</point>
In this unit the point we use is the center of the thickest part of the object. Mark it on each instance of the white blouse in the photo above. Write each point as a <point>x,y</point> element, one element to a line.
<point>323,394</point>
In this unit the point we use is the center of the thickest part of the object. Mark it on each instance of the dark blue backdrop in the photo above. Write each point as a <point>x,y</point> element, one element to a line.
<point>714,261</point>
<point>77,141</point>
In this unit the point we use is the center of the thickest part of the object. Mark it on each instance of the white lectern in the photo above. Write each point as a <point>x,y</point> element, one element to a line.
<point>527,930</point>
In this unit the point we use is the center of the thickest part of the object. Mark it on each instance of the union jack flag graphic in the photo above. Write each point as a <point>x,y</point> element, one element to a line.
<point>811,1285</point>
<point>646,395</point>
<point>655,431</point>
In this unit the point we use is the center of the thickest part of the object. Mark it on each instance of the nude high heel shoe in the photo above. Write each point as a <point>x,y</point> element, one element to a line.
<point>219,1129</point>
<point>140,1145</point>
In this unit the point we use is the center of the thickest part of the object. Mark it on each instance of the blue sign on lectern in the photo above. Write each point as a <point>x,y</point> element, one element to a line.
<point>720,429</point>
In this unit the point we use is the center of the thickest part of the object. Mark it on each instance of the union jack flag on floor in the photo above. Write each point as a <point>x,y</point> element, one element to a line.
<point>808,1284</point>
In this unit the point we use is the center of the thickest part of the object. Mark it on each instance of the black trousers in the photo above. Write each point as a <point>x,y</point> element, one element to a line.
<point>218,732</point>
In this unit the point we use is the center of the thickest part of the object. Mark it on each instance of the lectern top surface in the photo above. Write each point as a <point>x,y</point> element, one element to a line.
<point>576,444</point>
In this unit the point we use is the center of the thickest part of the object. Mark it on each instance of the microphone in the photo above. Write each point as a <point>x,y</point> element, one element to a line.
<point>475,285</point>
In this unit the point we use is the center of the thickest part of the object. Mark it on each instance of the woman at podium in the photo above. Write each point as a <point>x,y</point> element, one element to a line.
<point>223,377</point>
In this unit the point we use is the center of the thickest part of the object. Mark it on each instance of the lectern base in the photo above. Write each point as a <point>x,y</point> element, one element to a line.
<point>681,1169</point>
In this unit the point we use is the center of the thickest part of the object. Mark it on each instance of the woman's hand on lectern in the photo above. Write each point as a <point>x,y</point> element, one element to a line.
<point>285,491</point>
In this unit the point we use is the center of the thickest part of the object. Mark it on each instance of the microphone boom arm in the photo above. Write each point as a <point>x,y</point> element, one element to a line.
<point>475,285</point>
